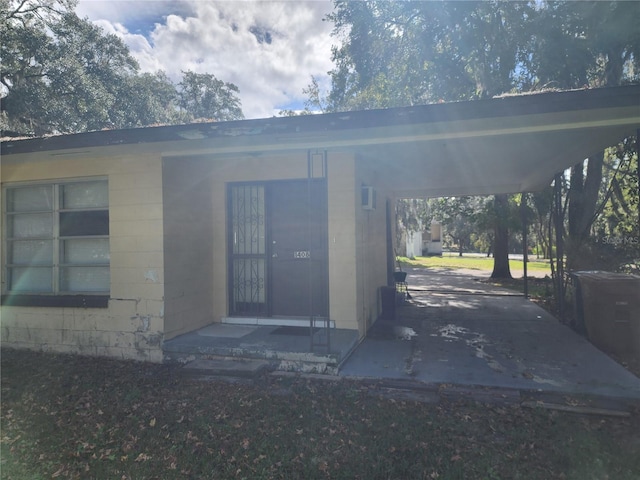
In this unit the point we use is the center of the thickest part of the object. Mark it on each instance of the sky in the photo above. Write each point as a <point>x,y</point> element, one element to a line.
<point>269,49</point>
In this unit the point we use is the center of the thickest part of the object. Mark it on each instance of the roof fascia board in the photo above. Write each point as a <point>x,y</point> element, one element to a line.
<point>344,129</point>
<point>445,131</point>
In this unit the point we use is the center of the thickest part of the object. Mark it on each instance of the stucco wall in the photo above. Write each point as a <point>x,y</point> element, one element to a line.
<point>188,245</point>
<point>132,325</point>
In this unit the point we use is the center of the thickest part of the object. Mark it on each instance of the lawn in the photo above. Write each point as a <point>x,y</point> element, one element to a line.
<point>454,261</point>
<point>538,272</point>
<point>87,418</point>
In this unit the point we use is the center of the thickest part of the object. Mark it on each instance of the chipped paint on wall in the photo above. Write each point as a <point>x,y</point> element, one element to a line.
<point>151,275</point>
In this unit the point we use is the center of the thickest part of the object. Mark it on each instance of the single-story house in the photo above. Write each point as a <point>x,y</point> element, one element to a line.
<point>116,241</point>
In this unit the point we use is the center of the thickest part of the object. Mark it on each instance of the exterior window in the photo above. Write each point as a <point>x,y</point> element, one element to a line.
<point>58,238</point>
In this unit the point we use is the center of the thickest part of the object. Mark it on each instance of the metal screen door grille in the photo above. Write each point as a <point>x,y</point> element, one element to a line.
<point>248,252</point>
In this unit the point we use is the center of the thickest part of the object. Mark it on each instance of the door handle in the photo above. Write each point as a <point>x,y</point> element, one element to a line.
<point>275,255</point>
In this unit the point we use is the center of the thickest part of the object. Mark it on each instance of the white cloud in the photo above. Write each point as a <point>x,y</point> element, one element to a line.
<point>269,49</point>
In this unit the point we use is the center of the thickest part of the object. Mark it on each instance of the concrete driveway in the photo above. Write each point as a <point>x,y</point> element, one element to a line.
<point>458,330</point>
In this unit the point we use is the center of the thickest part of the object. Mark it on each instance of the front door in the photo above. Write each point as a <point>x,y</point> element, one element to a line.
<point>298,248</point>
<point>278,249</point>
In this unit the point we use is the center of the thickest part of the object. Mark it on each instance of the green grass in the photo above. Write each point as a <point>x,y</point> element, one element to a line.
<point>86,418</point>
<point>539,288</point>
<point>474,263</point>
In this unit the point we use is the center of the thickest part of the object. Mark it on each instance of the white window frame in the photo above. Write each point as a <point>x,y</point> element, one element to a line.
<point>57,241</point>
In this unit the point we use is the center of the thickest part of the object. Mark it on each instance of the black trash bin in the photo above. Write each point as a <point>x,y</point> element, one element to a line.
<point>388,300</point>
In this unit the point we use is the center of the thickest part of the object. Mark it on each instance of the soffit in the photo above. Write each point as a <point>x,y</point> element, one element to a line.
<point>500,145</point>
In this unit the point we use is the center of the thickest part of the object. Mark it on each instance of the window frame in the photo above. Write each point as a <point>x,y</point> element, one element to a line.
<point>58,296</point>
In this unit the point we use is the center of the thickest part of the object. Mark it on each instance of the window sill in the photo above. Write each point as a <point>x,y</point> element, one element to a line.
<point>80,301</point>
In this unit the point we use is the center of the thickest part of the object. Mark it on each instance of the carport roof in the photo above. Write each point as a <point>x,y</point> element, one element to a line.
<point>501,145</point>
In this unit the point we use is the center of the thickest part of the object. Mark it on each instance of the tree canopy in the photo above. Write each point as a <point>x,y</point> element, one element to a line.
<point>63,74</point>
<point>411,52</point>
<point>202,93</point>
<point>402,53</point>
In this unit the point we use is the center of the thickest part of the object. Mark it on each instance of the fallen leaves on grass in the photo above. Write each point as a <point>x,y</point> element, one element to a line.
<point>142,457</point>
<point>75,417</point>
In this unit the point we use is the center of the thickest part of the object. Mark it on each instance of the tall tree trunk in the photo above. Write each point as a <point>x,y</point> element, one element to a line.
<point>583,199</point>
<point>501,239</point>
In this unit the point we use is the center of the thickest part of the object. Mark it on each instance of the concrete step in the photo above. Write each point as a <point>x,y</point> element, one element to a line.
<point>284,352</point>
<point>283,360</point>
<point>226,367</point>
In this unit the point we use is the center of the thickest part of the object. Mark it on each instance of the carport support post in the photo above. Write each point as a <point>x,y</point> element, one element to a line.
<point>312,158</point>
<point>525,248</point>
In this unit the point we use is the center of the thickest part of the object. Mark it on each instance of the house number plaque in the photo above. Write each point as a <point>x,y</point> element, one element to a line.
<point>302,254</point>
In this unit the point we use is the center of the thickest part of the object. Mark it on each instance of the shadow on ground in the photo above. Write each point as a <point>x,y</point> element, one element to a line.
<point>457,330</point>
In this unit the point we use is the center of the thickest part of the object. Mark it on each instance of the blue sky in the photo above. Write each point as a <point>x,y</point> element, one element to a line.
<point>269,49</point>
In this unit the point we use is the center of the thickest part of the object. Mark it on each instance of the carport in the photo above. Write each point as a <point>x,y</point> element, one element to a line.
<point>506,145</point>
<point>460,332</point>
<point>510,144</point>
<point>469,333</point>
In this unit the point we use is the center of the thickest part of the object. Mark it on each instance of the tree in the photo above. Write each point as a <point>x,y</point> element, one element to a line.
<point>458,217</point>
<point>147,99</point>
<point>591,43</point>
<point>503,215</point>
<point>620,201</point>
<point>63,74</point>
<point>402,53</point>
<point>411,216</point>
<point>616,229</point>
<point>60,73</point>
<point>24,46</point>
<point>203,96</point>
<point>585,44</point>
<point>542,202</point>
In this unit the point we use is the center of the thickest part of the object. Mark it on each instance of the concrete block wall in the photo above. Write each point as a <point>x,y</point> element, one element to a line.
<point>133,323</point>
<point>371,244</point>
<point>188,245</point>
<point>343,204</point>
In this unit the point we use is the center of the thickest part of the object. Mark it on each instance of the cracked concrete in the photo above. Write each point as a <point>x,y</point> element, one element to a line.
<point>473,334</point>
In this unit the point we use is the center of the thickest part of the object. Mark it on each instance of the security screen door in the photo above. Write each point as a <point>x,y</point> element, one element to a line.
<point>278,249</point>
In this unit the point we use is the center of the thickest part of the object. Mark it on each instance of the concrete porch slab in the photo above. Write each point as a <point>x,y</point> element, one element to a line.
<point>283,352</point>
<point>226,331</point>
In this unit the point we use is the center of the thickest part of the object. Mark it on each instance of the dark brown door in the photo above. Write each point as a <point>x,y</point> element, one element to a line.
<point>298,248</point>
